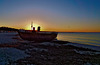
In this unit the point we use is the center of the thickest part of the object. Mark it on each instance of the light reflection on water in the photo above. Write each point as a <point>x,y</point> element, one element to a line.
<point>83,38</point>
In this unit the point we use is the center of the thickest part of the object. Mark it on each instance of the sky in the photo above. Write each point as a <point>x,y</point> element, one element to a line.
<point>51,15</point>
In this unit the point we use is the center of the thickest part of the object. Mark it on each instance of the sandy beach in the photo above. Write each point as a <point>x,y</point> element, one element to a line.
<point>15,51</point>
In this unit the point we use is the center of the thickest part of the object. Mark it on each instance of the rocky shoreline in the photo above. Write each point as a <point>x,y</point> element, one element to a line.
<point>51,53</point>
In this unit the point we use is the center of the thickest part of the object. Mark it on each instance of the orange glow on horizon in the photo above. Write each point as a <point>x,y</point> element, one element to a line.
<point>44,28</point>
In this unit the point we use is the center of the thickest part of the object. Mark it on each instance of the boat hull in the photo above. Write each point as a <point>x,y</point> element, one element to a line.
<point>38,36</point>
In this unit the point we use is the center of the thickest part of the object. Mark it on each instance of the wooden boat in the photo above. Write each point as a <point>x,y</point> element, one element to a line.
<point>37,36</point>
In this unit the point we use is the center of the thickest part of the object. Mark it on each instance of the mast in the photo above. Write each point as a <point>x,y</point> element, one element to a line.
<point>31,25</point>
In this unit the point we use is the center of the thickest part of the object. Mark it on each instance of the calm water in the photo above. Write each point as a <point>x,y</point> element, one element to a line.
<point>83,38</point>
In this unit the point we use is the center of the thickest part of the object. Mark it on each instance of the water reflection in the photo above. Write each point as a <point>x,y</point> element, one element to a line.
<point>83,38</point>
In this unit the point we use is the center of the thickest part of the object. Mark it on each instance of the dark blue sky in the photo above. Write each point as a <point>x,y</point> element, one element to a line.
<point>66,15</point>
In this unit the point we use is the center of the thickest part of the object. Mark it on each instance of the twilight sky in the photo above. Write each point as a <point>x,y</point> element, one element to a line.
<point>52,15</point>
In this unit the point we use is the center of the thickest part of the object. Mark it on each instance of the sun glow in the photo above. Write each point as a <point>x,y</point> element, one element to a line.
<point>28,27</point>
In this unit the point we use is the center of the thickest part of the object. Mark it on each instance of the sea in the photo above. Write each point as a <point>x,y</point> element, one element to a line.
<point>81,38</point>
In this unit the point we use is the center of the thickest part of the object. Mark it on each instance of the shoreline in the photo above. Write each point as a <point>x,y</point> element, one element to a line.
<point>92,47</point>
<point>14,38</point>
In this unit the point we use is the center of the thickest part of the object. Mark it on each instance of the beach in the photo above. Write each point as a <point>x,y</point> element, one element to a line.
<point>15,51</point>
<point>49,32</point>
